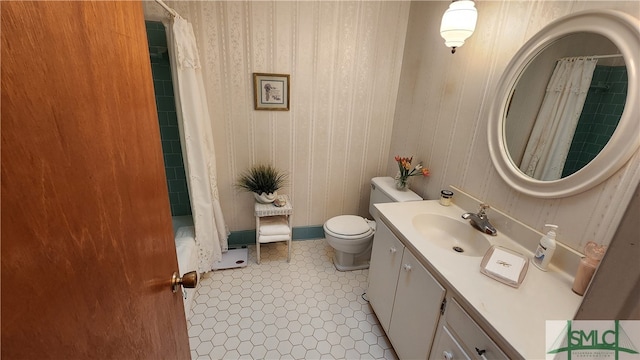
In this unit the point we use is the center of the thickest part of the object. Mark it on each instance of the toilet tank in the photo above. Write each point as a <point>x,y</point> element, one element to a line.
<point>383,190</point>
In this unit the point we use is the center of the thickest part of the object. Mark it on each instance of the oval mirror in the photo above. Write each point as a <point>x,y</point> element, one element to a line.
<point>546,135</point>
<point>565,116</point>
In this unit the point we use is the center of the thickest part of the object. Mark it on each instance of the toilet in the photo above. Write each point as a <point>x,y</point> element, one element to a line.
<point>351,236</point>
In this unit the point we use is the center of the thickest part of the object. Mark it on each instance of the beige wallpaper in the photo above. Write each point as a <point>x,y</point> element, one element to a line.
<point>442,99</point>
<point>344,59</point>
<point>345,125</point>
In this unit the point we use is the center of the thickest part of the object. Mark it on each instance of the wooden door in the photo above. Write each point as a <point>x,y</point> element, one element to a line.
<point>87,244</point>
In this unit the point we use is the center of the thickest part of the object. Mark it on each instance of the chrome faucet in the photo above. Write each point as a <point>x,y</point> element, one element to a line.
<point>480,221</point>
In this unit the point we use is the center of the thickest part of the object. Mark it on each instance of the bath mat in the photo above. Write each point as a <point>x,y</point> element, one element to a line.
<point>234,258</point>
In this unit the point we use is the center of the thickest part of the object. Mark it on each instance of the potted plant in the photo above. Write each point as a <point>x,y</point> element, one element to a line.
<point>263,181</point>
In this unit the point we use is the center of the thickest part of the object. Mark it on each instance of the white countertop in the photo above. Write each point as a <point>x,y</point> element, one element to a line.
<point>518,315</point>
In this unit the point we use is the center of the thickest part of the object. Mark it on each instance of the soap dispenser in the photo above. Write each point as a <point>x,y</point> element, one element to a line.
<point>546,247</point>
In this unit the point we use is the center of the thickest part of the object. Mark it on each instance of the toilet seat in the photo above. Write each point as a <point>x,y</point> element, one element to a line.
<point>348,227</point>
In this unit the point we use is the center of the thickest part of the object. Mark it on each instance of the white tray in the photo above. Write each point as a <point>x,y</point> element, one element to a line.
<point>499,267</point>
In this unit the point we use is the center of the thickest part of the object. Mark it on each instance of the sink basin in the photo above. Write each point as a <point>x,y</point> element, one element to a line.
<point>457,236</point>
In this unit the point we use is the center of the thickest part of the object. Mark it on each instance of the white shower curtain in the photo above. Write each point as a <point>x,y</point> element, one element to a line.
<point>197,144</point>
<point>555,125</point>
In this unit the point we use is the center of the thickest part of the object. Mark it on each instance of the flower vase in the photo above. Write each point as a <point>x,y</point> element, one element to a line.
<point>402,182</point>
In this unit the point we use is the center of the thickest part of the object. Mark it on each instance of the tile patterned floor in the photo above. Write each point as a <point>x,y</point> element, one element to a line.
<point>304,309</point>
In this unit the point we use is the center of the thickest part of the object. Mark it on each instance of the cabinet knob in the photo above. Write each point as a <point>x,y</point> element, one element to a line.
<point>393,250</point>
<point>481,352</point>
<point>447,355</point>
<point>406,267</point>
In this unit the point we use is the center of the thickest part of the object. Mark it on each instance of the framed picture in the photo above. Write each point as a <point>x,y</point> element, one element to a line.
<point>271,91</point>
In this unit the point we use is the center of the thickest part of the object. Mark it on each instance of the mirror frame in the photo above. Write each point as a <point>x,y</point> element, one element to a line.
<point>624,31</point>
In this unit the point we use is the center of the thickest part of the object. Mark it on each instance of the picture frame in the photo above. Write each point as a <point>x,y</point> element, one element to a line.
<point>271,91</point>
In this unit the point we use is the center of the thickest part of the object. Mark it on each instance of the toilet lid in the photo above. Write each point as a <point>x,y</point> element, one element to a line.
<point>348,225</point>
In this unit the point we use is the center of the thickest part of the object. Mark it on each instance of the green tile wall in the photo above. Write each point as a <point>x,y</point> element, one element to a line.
<point>165,103</point>
<point>600,116</point>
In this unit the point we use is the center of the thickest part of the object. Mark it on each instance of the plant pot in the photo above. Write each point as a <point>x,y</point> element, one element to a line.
<point>265,198</point>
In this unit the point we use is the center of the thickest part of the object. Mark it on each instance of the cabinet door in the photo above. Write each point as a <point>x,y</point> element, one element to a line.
<point>446,346</point>
<point>416,310</point>
<point>386,257</point>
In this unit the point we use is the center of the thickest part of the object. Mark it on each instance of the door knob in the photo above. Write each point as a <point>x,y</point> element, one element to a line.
<point>188,280</point>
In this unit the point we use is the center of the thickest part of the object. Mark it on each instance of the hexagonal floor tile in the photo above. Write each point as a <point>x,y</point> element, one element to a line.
<point>304,309</point>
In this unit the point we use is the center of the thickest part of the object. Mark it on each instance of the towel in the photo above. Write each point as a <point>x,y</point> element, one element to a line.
<point>274,225</point>
<point>272,238</point>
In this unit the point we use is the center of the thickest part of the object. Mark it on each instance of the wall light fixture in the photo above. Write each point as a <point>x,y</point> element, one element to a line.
<point>458,23</point>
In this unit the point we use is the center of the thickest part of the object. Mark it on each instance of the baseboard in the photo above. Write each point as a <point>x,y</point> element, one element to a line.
<point>248,237</point>
<point>308,232</point>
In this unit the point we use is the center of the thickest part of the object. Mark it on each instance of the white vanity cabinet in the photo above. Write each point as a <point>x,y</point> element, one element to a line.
<point>404,296</point>
<point>480,312</point>
<point>459,337</point>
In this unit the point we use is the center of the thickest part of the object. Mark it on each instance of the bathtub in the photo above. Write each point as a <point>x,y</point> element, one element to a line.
<point>187,253</point>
